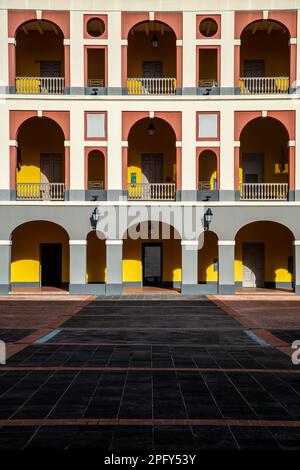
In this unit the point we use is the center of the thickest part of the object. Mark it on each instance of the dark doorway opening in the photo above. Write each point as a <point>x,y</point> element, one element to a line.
<point>51,264</point>
<point>152,264</point>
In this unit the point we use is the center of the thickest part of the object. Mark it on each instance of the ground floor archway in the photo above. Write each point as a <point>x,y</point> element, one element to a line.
<point>39,255</point>
<point>264,256</point>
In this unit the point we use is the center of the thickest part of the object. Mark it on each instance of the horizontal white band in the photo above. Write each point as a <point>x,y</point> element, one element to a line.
<point>124,42</point>
<point>78,242</point>
<point>5,242</point>
<point>237,42</point>
<point>296,242</point>
<point>12,41</point>
<point>208,42</point>
<point>292,41</point>
<point>178,143</point>
<point>226,242</point>
<point>179,42</point>
<point>67,42</point>
<point>189,242</point>
<point>291,143</point>
<point>237,143</point>
<point>67,143</point>
<point>13,143</point>
<point>95,42</point>
<point>95,143</point>
<point>114,242</point>
<point>124,143</point>
<point>208,143</point>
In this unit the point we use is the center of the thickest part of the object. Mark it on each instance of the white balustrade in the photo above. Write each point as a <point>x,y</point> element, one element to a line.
<point>264,191</point>
<point>264,85</point>
<point>40,191</point>
<point>40,85</point>
<point>152,191</point>
<point>151,86</point>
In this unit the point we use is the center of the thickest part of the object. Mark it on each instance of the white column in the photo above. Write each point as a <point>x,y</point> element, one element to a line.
<point>297,154</point>
<point>77,154</point>
<point>5,153</point>
<point>5,262</point>
<point>227,49</point>
<point>226,266</point>
<point>78,266</point>
<point>114,266</point>
<point>3,49</point>
<point>114,50</point>
<point>189,50</point>
<point>188,165</point>
<point>114,153</point>
<point>227,153</point>
<point>189,262</point>
<point>76,49</point>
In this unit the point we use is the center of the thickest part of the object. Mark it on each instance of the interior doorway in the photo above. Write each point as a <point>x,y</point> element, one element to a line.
<point>152,264</point>
<point>51,264</point>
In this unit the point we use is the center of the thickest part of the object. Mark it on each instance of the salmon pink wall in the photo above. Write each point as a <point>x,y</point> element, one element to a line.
<point>178,168</point>
<point>124,167</point>
<point>173,20</point>
<point>16,18</point>
<point>200,18</point>
<point>87,151</point>
<point>172,118</point>
<point>60,18</point>
<point>129,118</point>
<point>62,118</point>
<point>287,18</point>
<point>16,119</point>
<point>243,18</point>
<point>131,19</point>
<point>86,18</point>
<point>292,168</point>
<point>241,118</point>
<point>287,118</point>
<point>12,166</point>
<point>216,151</point>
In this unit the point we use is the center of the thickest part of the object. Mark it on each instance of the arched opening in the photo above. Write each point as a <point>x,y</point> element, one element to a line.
<point>208,262</point>
<point>151,168</point>
<point>264,256</point>
<point>151,59</point>
<point>39,255</point>
<point>40,61</point>
<point>96,170</point>
<point>40,172</point>
<point>265,58</point>
<point>264,160</point>
<point>208,175</point>
<point>96,259</point>
<point>152,260</point>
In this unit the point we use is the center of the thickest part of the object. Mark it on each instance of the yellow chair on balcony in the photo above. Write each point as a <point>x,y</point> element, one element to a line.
<point>282,85</point>
<point>28,85</point>
<point>134,87</point>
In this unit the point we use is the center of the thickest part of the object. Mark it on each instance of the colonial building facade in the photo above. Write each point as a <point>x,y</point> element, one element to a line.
<point>182,103</point>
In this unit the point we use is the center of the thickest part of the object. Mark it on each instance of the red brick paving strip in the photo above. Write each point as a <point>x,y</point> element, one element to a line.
<point>263,334</point>
<point>150,422</point>
<point>44,316</point>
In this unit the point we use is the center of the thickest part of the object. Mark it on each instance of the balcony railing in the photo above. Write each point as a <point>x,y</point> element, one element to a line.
<point>264,85</point>
<point>264,191</point>
<point>152,191</point>
<point>208,83</point>
<point>40,191</point>
<point>96,185</point>
<point>151,86</point>
<point>96,82</point>
<point>204,185</point>
<point>40,85</point>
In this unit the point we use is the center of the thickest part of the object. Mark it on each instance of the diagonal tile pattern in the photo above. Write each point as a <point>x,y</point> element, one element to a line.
<point>148,374</point>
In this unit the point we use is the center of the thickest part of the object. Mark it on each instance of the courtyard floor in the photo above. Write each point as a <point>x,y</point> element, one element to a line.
<point>156,373</point>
